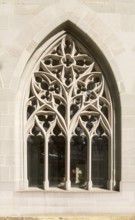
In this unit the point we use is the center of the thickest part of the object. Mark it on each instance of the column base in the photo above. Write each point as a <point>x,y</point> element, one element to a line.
<point>21,185</point>
<point>46,185</point>
<point>68,185</point>
<point>89,185</point>
<point>26,184</point>
<point>110,184</point>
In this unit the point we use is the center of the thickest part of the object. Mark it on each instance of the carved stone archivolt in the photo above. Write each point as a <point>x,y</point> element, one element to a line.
<point>68,97</point>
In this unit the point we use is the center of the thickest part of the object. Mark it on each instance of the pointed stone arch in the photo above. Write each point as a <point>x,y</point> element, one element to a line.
<point>70,29</point>
<point>31,54</point>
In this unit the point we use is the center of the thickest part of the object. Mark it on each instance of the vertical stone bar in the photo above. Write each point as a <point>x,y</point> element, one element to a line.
<point>89,163</point>
<point>110,165</point>
<point>111,153</point>
<point>68,182</point>
<point>46,165</point>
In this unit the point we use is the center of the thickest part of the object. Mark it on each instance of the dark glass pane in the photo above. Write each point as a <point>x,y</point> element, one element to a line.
<point>78,161</point>
<point>57,161</point>
<point>99,162</point>
<point>30,110</point>
<point>61,109</point>
<point>73,110</point>
<point>35,152</point>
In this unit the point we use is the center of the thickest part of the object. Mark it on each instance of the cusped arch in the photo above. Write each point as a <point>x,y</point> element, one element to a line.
<point>71,29</point>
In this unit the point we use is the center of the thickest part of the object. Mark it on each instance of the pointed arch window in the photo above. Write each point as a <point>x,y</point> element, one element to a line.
<point>69,126</point>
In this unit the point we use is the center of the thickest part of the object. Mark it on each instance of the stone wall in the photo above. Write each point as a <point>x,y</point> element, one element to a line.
<point>23,25</point>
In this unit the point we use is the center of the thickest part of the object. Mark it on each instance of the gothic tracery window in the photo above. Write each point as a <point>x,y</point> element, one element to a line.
<point>69,120</point>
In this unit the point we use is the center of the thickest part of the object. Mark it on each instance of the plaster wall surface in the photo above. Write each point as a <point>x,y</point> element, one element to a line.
<point>23,25</point>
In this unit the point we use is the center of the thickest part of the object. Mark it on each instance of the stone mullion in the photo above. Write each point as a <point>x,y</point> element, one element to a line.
<point>46,165</point>
<point>89,163</point>
<point>110,165</point>
<point>111,150</point>
<point>68,182</point>
<point>111,156</point>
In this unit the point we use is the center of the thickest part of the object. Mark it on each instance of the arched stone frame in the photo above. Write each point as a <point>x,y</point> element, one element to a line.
<point>25,57</point>
<point>68,26</point>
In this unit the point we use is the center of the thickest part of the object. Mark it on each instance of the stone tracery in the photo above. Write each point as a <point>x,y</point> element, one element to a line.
<point>68,97</point>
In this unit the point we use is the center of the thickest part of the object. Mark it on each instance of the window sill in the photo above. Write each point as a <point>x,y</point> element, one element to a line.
<point>72,190</point>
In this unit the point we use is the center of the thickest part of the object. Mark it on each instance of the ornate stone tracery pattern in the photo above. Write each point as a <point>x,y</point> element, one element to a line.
<point>68,97</point>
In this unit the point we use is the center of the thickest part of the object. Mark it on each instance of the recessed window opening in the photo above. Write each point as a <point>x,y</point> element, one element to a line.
<point>69,120</point>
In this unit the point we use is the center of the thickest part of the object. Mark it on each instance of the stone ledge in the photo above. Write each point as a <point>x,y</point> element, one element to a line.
<point>72,217</point>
